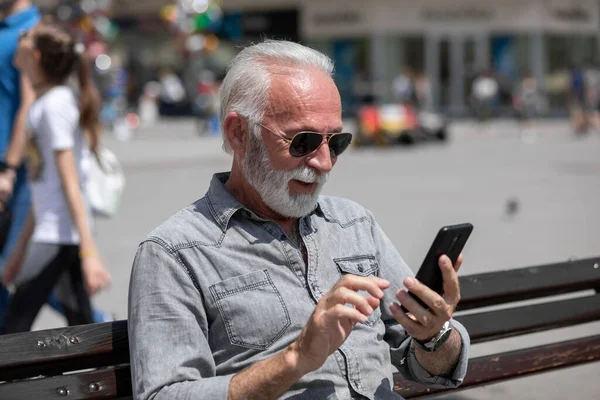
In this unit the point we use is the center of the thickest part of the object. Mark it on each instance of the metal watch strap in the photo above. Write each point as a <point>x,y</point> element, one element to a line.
<point>436,342</point>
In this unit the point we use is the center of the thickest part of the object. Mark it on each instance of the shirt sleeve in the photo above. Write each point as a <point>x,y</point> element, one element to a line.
<point>394,269</point>
<point>170,354</point>
<point>60,122</point>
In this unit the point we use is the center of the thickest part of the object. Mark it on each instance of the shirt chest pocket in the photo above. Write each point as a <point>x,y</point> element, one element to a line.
<point>252,309</point>
<point>362,265</point>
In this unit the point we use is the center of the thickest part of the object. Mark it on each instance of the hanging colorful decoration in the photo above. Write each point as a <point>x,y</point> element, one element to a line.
<point>195,21</point>
<point>88,19</point>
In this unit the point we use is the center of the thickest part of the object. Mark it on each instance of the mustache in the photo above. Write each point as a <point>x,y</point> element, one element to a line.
<point>307,174</point>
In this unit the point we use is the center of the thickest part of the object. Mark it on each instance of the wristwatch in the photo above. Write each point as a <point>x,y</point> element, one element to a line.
<point>437,341</point>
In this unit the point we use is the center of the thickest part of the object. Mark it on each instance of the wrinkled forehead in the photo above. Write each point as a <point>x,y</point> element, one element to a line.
<point>294,92</point>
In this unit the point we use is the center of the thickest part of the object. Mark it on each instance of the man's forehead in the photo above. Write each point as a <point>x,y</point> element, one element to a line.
<point>302,93</point>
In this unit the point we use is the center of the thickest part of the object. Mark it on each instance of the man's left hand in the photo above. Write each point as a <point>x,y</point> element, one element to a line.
<point>423,324</point>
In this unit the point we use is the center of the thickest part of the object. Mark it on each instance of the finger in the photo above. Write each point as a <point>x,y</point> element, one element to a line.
<point>373,302</point>
<point>372,284</point>
<point>451,284</point>
<point>423,316</point>
<point>412,328</point>
<point>459,262</point>
<point>340,312</point>
<point>433,300</point>
<point>344,295</point>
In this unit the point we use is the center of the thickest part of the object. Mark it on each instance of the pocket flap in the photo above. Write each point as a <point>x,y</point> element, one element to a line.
<point>363,265</point>
<point>237,284</point>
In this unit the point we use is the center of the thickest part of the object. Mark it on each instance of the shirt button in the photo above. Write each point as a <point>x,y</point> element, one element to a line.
<point>360,268</point>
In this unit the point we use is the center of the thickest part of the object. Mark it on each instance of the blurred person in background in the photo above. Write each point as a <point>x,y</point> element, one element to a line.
<point>206,103</point>
<point>484,95</point>
<point>56,245</point>
<point>592,78</point>
<point>578,101</point>
<point>423,93</point>
<point>527,103</point>
<point>16,95</point>
<point>172,93</point>
<point>403,88</point>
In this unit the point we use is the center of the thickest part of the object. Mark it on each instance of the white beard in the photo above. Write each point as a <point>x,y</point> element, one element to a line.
<point>272,184</point>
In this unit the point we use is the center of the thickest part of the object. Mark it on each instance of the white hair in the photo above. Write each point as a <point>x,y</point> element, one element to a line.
<point>245,88</point>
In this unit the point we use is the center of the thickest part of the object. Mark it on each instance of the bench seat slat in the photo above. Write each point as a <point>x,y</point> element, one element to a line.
<point>116,383</point>
<point>509,322</point>
<point>497,367</point>
<point>52,351</point>
<point>499,287</point>
<point>111,383</point>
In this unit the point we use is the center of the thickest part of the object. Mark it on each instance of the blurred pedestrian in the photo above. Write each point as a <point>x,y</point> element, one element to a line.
<point>484,95</point>
<point>57,245</point>
<point>592,79</point>
<point>16,95</point>
<point>172,93</point>
<point>527,102</point>
<point>577,101</point>
<point>423,93</point>
<point>403,88</point>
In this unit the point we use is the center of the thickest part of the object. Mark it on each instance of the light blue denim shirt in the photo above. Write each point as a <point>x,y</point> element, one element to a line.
<point>215,289</point>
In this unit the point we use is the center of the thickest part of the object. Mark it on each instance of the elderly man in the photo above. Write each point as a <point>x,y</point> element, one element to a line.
<point>264,289</point>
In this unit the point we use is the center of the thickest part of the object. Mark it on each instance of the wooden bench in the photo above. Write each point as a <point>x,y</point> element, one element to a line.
<point>92,361</point>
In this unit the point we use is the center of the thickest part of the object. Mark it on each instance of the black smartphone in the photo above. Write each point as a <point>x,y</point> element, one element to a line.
<point>450,241</point>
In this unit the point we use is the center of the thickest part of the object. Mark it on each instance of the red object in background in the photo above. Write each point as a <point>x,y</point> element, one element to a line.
<point>205,87</point>
<point>368,118</point>
<point>411,117</point>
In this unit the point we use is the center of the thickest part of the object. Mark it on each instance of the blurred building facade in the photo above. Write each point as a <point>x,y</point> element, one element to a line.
<point>450,40</point>
<point>453,40</point>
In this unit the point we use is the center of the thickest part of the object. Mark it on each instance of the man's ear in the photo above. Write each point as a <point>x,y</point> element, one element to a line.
<point>236,132</point>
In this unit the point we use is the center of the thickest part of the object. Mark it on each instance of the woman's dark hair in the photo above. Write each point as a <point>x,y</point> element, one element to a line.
<point>60,56</point>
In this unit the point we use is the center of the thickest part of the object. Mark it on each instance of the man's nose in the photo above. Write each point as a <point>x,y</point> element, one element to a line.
<point>320,159</point>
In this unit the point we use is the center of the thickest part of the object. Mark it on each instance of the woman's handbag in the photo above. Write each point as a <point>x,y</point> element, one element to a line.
<point>105,183</point>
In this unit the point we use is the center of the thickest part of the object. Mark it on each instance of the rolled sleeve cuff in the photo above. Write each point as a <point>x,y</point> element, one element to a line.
<point>215,387</point>
<point>218,388</point>
<point>411,369</point>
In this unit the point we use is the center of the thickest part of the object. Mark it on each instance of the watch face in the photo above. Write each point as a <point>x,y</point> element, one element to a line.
<point>442,339</point>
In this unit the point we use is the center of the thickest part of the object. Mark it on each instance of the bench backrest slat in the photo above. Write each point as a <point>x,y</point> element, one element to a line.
<point>514,321</point>
<point>493,288</point>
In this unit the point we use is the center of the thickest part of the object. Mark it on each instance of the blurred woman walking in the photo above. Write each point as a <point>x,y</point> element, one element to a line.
<point>57,245</point>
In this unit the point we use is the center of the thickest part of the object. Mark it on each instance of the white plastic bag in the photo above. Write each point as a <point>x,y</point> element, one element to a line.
<point>105,183</point>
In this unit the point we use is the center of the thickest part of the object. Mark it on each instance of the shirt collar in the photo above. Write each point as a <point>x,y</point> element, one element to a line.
<point>223,205</point>
<point>22,17</point>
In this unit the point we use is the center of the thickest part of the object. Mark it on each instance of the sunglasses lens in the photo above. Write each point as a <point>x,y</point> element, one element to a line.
<point>305,143</point>
<point>339,143</point>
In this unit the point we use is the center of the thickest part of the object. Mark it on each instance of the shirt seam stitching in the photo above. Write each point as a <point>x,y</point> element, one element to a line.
<point>173,253</point>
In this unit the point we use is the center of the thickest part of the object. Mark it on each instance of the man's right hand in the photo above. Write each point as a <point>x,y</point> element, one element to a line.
<point>332,320</point>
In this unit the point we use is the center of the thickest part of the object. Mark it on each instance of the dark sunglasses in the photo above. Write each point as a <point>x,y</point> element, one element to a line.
<point>303,143</point>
